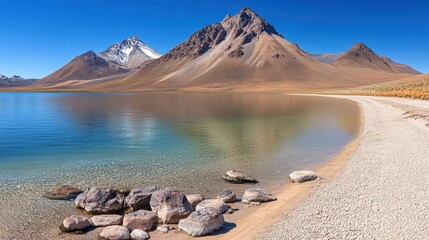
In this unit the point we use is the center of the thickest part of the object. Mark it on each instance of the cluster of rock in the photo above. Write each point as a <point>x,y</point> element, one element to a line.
<point>132,214</point>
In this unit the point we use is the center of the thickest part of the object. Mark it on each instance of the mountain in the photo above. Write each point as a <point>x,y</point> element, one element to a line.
<point>327,58</point>
<point>361,56</point>
<point>14,81</point>
<point>120,58</point>
<point>130,53</point>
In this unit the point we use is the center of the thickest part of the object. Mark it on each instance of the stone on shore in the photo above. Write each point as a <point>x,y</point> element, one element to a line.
<point>202,222</point>
<point>257,195</point>
<point>232,176</point>
<point>100,201</point>
<point>164,228</point>
<point>115,233</point>
<point>142,219</point>
<point>227,196</point>
<point>303,176</point>
<point>75,224</point>
<point>194,199</point>
<point>63,192</point>
<point>139,198</point>
<point>170,205</point>
<point>217,204</point>
<point>106,220</point>
<point>138,234</point>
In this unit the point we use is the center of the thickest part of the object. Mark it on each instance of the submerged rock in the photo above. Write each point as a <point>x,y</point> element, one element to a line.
<point>194,199</point>
<point>202,222</point>
<point>257,195</point>
<point>138,234</point>
<point>75,224</point>
<point>63,192</point>
<point>303,176</point>
<point>100,200</point>
<point>115,233</point>
<point>227,196</point>
<point>170,205</point>
<point>142,219</point>
<point>139,198</point>
<point>106,220</point>
<point>217,204</point>
<point>232,176</point>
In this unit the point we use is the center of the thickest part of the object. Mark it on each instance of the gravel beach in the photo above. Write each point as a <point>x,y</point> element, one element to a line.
<point>383,190</point>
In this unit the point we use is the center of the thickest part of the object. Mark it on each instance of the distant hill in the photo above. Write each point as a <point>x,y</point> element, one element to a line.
<point>15,81</point>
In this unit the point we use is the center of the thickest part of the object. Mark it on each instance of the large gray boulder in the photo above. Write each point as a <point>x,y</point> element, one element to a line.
<point>114,233</point>
<point>202,222</point>
<point>100,201</point>
<point>63,192</point>
<point>303,176</point>
<point>227,196</point>
<point>142,219</point>
<point>170,205</point>
<point>257,195</point>
<point>217,204</point>
<point>139,198</point>
<point>106,220</point>
<point>75,224</point>
<point>194,199</point>
<point>232,176</point>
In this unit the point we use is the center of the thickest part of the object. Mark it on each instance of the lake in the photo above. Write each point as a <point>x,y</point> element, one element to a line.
<point>125,140</point>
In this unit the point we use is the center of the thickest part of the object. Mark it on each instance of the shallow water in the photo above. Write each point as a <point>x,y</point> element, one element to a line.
<point>185,140</point>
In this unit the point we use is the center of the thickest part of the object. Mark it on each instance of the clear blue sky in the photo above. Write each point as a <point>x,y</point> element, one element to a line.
<point>38,37</point>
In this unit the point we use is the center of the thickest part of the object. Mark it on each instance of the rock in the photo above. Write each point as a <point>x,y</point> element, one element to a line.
<point>303,176</point>
<point>142,219</point>
<point>138,234</point>
<point>99,201</point>
<point>163,228</point>
<point>170,205</point>
<point>257,195</point>
<point>75,224</point>
<point>106,220</point>
<point>63,192</point>
<point>115,233</point>
<point>139,198</point>
<point>238,178</point>
<point>227,196</point>
<point>194,199</point>
<point>202,222</point>
<point>251,204</point>
<point>217,204</point>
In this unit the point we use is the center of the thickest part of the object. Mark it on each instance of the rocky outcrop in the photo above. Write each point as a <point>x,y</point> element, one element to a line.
<point>194,199</point>
<point>138,234</point>
<point>139,198</point>
<point>142,219</point>
<point>303,176</point>
<point>202,222</point>
<point>227,196</point>
<point>217,204</point>
<point>114,233</point>
<point>75,224</point>
<point>106,220</point>
<point>170,205</point>
<point>232,176</point>
<point>63,192</point>
<point>257,195</point>
<point>100,201</point>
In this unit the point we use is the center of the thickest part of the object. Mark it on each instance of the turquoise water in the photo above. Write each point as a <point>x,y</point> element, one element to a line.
<point>186,140</point>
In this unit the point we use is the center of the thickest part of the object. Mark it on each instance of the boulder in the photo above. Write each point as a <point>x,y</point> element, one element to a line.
<point>170,205</point>
<point>100,201</point>
<point>63,192</point>
<point>164,228</point>
<point>257,195</point>
<point>106,220</point>
<point>217,204</point>
<point>138,234</point>
<point>202,222</point>
<point>194,199</point>
<point>227,196</point>
<point>142,219</point>
<point>238,178</point>
<point>115,233</point>
<point>139,198</point>
<point>75,224</point>
<point>303,176</point>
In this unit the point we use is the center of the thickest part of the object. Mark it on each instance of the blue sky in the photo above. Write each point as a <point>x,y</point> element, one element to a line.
<point>38,37</point>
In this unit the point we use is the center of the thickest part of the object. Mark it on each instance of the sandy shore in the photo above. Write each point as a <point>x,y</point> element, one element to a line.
<point>382,192</point>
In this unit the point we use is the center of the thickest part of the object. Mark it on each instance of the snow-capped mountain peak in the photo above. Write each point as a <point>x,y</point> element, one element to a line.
<point>131,53</point>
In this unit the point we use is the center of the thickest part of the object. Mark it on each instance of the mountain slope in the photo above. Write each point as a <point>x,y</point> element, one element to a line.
<point>14,81</point>
<point>327,58</point>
